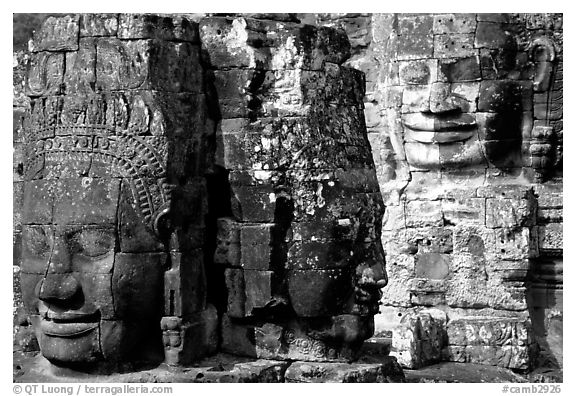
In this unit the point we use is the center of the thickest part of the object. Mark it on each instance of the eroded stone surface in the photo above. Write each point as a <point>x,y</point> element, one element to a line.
<point>461,103</point>
<point>113,193</point>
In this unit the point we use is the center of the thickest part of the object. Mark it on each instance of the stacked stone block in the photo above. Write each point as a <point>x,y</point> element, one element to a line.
<point>460,228</point>
<point>121,97</point>
<point>291,141</point>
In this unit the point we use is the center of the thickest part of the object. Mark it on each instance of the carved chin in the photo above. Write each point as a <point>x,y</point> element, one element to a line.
<point>64,350</point>
<point>80,343</point>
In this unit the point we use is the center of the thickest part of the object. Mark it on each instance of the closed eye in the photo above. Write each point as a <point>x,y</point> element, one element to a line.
<point>94,242</point>
<point>37,241</point>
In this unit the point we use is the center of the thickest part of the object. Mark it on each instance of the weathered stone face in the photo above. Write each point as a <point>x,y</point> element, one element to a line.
<point>303,257</point>
<point>113,209</point>
<point>85,296</point>
<point>461,92</point>
<point>460,96</point>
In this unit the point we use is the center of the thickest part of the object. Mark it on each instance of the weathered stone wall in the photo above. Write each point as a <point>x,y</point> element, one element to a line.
<point>443,241</point>
<point>294,213</point>
<point>420,263</point>
<point>466,233</point>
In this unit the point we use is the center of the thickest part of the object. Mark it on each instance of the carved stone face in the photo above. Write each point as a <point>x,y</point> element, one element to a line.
<point>336,266</point>
<point>92,290</point>
<point>455,99</point>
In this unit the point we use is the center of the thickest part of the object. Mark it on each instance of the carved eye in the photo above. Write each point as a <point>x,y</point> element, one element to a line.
<point>417,73</point>
<point>37,241</point>
<point>94,242</point>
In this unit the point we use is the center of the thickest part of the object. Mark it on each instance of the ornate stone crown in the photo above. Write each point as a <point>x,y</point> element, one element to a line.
<point>56,148</point>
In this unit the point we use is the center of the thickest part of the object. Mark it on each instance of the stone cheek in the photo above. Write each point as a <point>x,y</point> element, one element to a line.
<point>136,283</point>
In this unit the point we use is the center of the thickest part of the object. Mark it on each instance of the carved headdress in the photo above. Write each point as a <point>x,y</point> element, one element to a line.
<point>100,136</point>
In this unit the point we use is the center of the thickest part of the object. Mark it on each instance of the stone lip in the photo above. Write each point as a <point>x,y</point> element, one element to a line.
<point>430,128</point>
<point>67,330</point>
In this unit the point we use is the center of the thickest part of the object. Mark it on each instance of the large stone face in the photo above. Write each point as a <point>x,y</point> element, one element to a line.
<point>113,192</point>
<point>304,193</point>
<point>462,111</point>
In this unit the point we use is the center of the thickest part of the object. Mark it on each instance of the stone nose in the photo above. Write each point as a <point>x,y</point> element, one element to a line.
<point>375,274</point>
<point>58,289</point>
<point>59,285</point>
<point>373,270</point>
<point>442,100</point>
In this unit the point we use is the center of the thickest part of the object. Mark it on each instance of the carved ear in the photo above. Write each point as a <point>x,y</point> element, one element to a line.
<point>543,54</point>
<point>162,224</point>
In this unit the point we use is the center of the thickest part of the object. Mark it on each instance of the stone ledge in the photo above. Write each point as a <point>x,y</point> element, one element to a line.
<point>449,372</point>
<point>220,368</point>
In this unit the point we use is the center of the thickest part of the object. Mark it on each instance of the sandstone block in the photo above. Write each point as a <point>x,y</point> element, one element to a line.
<point>510,244</point>
<point>227,242</point>
<point>504,212</point>
<point>258,288</point>
<point>498,96</point>
<point>236,288</point>
<point>185,285</point>
<point>78,203</point>
<point>199,338</point>
<point>45,74</point>
<point>493,331</point>
<point>454,23</point>
<point>305,372</point>
<point>272,341</point>
<point>400,270</point>
<point>425,185</point>
<point>432,265</point>
<point>144,26</point>
<point>159,65</point>
<point>253,203</point>
<point>80,76</point>
<point>92,25</point>
<point>419,339</point>
<point>454,45</point>
<point>508,356</point>
<point>551,236</point>
<point>490,35</point>
<point>424,213</point>
<point>57,34</point>
<point>466,211</point>
<point>39,202</point>
<point>134,236</point>
<point>310,255</point>
<point>394,218</point>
